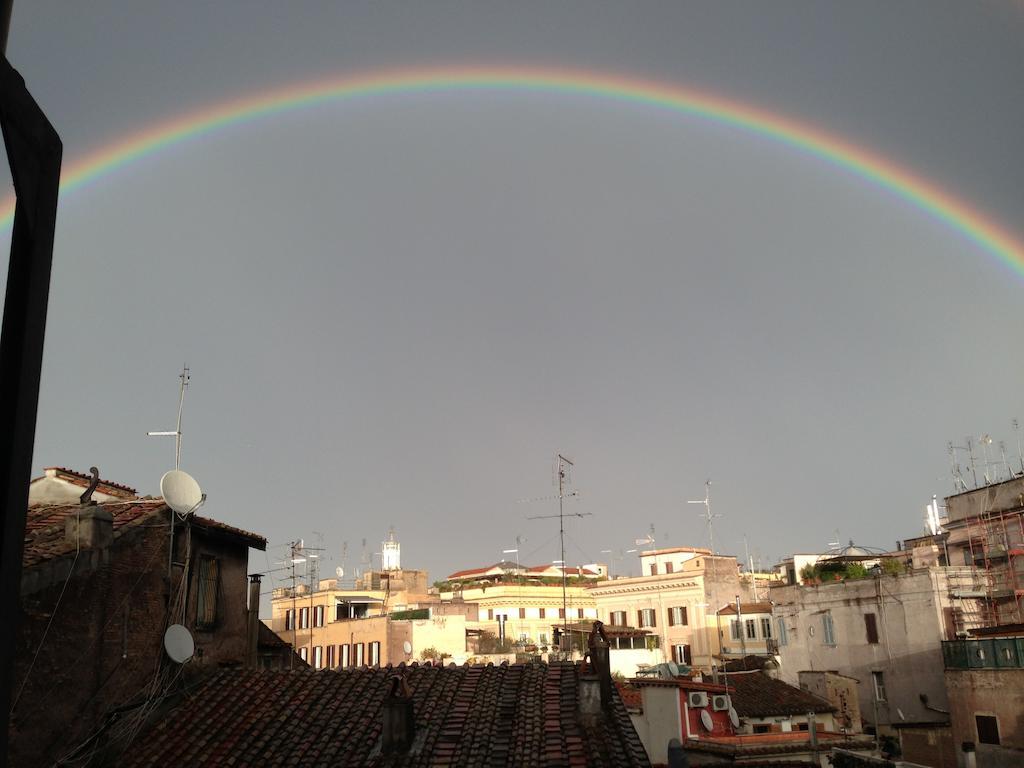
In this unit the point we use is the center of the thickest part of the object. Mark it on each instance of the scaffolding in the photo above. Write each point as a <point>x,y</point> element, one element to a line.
<point>990,587</point>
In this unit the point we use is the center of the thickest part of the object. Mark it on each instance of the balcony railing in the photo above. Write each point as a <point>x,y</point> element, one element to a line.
<point>994,653</point>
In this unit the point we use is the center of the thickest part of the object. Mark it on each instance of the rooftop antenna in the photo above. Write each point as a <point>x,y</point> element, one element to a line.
<point>176,433</point>
<point>970,453</point>
<point>1020,453</point>
<point>709,518</point>
<point>1006,463</point>
<point>985,442</point>
<point>959,484</point>
<point>344,562</point>
<point>562,476</point>
<point>184,496</point>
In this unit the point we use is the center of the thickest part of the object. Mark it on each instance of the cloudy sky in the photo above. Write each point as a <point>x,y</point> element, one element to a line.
<point>397,310</point>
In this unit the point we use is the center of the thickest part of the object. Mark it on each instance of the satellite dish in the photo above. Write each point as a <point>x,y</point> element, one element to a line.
<point>407,646</point>
<point>706,721</point>
<point>179,644</point>
<point>733,717</point>
<point>340,571</point>
<point>180,491</point>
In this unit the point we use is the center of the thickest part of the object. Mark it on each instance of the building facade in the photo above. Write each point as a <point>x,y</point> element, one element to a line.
<point>677,600</point>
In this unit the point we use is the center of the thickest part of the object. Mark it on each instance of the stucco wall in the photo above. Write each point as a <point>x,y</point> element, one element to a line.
<point>994,692</point>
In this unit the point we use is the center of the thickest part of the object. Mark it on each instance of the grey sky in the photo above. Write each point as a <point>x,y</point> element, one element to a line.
<point>397,311</point>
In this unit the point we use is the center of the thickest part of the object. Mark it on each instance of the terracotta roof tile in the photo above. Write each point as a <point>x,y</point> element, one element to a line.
<point>44,526</point>
<point>508,715</point>
<point>754,694</point>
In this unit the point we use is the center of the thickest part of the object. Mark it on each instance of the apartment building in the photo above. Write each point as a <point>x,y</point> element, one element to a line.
<point>676,598</point>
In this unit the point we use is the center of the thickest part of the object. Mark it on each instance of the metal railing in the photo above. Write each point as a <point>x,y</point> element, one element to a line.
<point>993,653</point>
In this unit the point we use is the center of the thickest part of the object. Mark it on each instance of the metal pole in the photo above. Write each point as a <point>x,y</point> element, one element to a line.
<point>34,153</point>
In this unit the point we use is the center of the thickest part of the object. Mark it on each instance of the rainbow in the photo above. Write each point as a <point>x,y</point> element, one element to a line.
<point>802,137</point>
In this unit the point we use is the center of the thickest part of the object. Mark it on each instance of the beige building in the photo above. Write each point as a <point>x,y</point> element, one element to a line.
<point>527,613</point>
<point>676,599</point>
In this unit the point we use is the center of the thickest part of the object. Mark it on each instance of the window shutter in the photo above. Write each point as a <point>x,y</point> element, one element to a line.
<point>871,625</point>
<point>671,617</point>
<point>639,618</point>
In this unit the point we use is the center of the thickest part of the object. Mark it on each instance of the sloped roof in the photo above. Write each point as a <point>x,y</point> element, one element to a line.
<point>510,715</point>
<point>83,481</point>
<point>754,694</point>
<point>44,526</point>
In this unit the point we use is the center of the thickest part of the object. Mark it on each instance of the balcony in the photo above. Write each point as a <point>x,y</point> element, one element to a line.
<point>995,653</point>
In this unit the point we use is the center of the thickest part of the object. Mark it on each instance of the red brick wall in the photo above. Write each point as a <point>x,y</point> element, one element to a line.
<point>105,643</point>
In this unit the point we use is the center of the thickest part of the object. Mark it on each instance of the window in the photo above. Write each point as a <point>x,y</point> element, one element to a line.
<point>318,657</point>
<point>542,613</point>
<point>344,656</point>
<point>677,616</point>
<point>668,567</point>
<point>878,679</point>
<point>522,613</point>
<point>871,626</point>
<point>751,629</point>
<point>783,640</point>
<point>490,614</point>
<point>579,613</point>
<point>654,569</point>
<point>561,613</point>
<point>988,729</point>
<point>543,638</point>
<point>734,626</point>
<point>374,654</point>
<point>303,618</point>
<point>646,618</point>
<point>304,653</point>
<point>206,597</point>
<point>359,657</point>
<point>289,619</point>
<point>318,616</point>
<point>617,618</point>
<point>828,629</point>
<point>766,628</point>
<point>681,654</point>
<point>330,657</point>
<point>762,728</point>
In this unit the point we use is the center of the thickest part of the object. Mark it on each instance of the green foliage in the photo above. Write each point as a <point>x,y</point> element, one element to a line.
<point>489,643</point>
<point>413,613</point>
<point>893,567</point>
<point>809,573</point>
<point>855,571</point>
<point>430,654</point>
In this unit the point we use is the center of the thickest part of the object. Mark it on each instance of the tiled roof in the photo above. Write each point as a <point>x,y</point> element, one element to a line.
<point>81,479</point>
<point>751,608</point>
<point>268,638</point>
<point>254,540</point>
<point>510,715</point>
<point>746,664</point>
<point>44,526</point>
<point>754,694</point>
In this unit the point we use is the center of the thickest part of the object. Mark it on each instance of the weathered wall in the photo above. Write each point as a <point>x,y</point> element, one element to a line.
<point>995,692</point>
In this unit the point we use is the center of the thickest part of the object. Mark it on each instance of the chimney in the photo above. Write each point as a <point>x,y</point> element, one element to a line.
<point>252,650</point>
<point>596,686</point>
<point>399,726</point>
<point>90,527</point>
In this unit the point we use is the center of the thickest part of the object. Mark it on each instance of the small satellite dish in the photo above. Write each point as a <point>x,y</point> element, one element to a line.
<point>179,644</point>
<point>340,571</point>
<point>407,646</point>
<point>706,721</point>
<point>734,718</point>
<point>180,491</point>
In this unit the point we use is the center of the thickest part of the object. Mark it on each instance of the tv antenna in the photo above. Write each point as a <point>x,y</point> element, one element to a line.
<point>1020,453</point>
<point>563,468</point>
<point>709,518</point>
<point>176,432</point>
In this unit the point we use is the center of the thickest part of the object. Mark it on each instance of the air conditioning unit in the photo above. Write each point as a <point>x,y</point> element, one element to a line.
<point>720,702</point>
<point>697,699</point>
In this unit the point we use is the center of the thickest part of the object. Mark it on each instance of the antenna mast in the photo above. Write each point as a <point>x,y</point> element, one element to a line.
<point>563,467</point>
<point>709,518</point>
<point>176,433</point>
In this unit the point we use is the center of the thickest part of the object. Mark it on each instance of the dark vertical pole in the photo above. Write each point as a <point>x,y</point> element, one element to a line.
<point>34,154</point>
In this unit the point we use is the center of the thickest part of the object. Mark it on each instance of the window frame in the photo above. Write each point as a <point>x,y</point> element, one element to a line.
<point>207,591</point>
<point>878,685</point>
<point>828,629</point>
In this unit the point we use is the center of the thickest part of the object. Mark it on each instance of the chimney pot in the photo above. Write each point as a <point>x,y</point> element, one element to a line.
<point>399,726</point>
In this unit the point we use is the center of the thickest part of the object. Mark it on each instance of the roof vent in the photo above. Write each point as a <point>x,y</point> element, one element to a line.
<point>86,498</point>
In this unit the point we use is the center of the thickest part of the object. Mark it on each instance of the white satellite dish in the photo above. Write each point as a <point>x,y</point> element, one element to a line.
<point>340,572</point>
<point>180,491</point>
<point>733,717</point>
<point>706,721</point>
<point>179,644</point>
<point>407,646</point>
